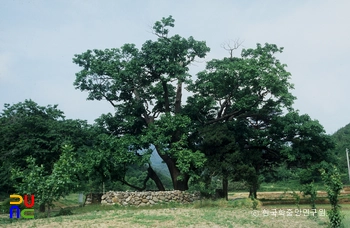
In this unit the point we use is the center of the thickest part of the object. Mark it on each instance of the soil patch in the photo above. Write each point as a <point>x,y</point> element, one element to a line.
<point>287,197</point>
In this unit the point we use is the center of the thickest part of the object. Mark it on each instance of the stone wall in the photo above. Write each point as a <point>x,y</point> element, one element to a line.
<point>147,198</point>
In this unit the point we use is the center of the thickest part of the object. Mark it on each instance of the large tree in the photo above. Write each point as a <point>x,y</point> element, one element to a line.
<point>239,103</point>
<point>242,100</point>
<point>145,87</point>
<point>244,93</point>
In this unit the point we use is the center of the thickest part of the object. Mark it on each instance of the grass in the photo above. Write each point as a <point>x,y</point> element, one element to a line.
<point>205,213</point>
<point>287,185</point>
<point>180,217</point>
<point>346,220</point>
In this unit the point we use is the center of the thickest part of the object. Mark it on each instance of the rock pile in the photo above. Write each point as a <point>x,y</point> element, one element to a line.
<point>147,198</point>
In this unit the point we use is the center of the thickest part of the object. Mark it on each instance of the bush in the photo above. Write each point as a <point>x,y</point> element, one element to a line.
<point>311,190</point>
<point>64,211</point>
<point>206,190</point>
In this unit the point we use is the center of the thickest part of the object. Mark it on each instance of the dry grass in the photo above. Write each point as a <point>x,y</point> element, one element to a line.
<point>205,215</point>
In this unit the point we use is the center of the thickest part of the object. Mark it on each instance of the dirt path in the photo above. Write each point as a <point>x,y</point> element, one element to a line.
<point>288,196</point>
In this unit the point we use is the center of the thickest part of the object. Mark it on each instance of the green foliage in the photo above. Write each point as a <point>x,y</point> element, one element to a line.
<point>255,203</point>
<point>296,198</point>
<point>333,183</point>
<point>311,173</point>
<point>5,205</point>
<point>64,212</point>
<point>114,159</point>
<point>49,187</point>
<point>160,133</point>
<point>311,190</point>
<point>280,173</point>
<point>335,218</point>
<point>233,124</point>
<point>310,144</point>
<point>110,157</point>
<point>27,129</point>
<point>160,26</point>
<point>206,189</point>
<point>342,141</point>
<point>30,130</point>
<point>240,102</point>
<point>139,83</point>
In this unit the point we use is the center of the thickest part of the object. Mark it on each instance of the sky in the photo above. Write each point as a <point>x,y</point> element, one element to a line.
<point>39,38</point>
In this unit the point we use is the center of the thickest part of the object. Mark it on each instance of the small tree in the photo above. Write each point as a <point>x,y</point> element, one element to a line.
<point>311,190</point>
<point>48,188</point>
<point>333,183</point>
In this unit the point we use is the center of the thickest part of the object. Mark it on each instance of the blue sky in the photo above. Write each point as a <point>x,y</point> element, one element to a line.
<point>39,38</point>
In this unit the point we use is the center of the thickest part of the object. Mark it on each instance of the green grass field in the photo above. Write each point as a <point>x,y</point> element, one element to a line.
<point>206,213</point>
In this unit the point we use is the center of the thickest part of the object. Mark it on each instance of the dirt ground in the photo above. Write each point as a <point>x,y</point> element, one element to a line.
<point>269,197</point>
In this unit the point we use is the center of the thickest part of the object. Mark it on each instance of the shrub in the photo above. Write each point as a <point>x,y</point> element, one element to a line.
<point>64,211</point>
<point>334,185</point>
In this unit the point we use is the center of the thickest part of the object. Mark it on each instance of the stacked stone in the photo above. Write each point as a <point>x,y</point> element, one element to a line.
<point>147,198</point>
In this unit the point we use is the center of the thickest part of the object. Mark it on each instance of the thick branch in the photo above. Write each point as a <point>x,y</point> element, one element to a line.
<point>147,118</point>
<point>133,186</point>
<point>263,148</point>
<point>166,97</point>
<point>178,97</point>
<point>150,174</point>
<point>229,115</point>
<point>153,175</point>
<point>222,106</point>
<point>108,100</point>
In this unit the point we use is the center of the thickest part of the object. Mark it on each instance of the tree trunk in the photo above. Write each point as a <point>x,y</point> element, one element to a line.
<point>48,210</point>
<point>153,175</point>
<point>182,184</point>
<point>252,192</point>
<point>225,187</point>
<point>42,207</point>
<point>253,189</point>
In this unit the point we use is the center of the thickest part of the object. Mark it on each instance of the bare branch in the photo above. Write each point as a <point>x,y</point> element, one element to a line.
<point>231,45</point>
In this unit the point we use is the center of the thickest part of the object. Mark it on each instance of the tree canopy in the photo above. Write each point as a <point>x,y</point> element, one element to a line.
<point>29,130</point>
<point>239,112</point>
<point>145,86</point>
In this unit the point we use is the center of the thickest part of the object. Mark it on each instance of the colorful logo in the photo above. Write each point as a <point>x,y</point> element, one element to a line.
<point>22,213</point>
